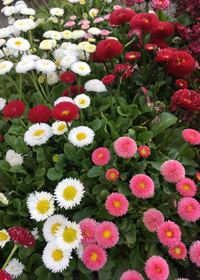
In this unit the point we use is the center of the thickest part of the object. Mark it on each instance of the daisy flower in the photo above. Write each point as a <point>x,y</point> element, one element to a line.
<point>172,171</point>
<point>51,225</point>
<point>94,31</point>
<point>189,209</point>
<point>39,114</point>
<point>24,66</point>
<point>76,34</point>
<point>14,268</point>
<point>142,186</point>
<point>144,151</point>
<point>125,147</point>
<point>4,237</point>
<point>2,103</point>
<point>5,67</point>
<point>186,187</point>
<point>47,44</point>
<point>95,85</point>
<point>14,158</point>
<point>68,77</point>
<point>116,204</point>
<point>21,236</point>
<point>69,192</point>
<point>197,175</point>
<point>88,230</point>
<point>192,136</point>
<point>68,60</point>
<point>40,205</point>
<point>81,68</point>
<point>101,156</point>
<point>107,234</point>
<point>108,79</point>
<point>68,236</point>
<point>81,136</point>
<point>94,257</point>
<point>3,199</point>
<point>63,99</point>
<point>59,127</point>
<point>5,275</point>
<point>57,12</point>
<point>109,48</point>
<point>156,268</point>
<point>21,25</point>
<point>181,83</point>
<point>82,101</point>
<point>65,111</point>
<point>112,174</point>
<point>79,251</point>
<point>37,134</point>
<point>131,275</point>
<point>179,251</point>
<point>194,253</point>
<point>35,233</point>
<point>18,44</point>
<point>169,234</point>
<point>152,219</point>
<point>14,109</point>
<point>45,66</point>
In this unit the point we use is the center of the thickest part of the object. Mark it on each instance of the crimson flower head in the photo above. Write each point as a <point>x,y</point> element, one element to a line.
<point>108,49</point>
<point>181,83</point>
<point>163,30</point>
<point>5,275</point>
<point>14,109</point>
<point>73,90</point>
<point>150,47</point>
<point>161,43</point>
<point>132,56</point>
<point>145,22</point>
<point>121,16</point>
<point>65,111</point>
<point>123,70</point>
<point>163,56</point>
<point>22,236</point>
<point>39,114</point>
<point>130,3</point>
<point>185,98</point>
<point>93,57</point>
<point>68,77</point>
<point>135,35</point>
<point>108,79</point>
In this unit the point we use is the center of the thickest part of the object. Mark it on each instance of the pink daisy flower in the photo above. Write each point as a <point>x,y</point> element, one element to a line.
<point>88,229</point>
<point>186,187</point>
<point>156,268</point>
<point>131,275</point>
<point>125,147</point>
<point>172,171</point>
<point>192,136</point>
<point>117,204</point>
<point>112,174</point>
<point>169,234</point>
<point>144,151</point>
<point>94,257</point>
<point>197,175</point>
<point>189,209</point>
<point>107,234</point>
<point>152,219</point>
<point>194,253</point>
<point>179,251</point>
<point>142,186</point>
<point>182,279</point>
<point>159,5</point>
<point>101,156</point>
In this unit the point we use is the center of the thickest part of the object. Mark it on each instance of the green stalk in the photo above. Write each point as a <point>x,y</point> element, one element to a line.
<point>20,86</point>
<point>70,95</point>
<point>181,150</point>
<point>123,38</point>
<point>159,14</point>
<point>13,84</point>
<point>105,65</point>
<point>157,84</point>
<point>46,87</point>
<point>124,4</point>
<point>30,39</point>
<point>34,81</point>
<point>147,7</point>
<point>102,8</point>
<point>79,78</point>
<point>144,52</point>
<point>10,256</point>
<point>118,88</point>
<point>111,104</point>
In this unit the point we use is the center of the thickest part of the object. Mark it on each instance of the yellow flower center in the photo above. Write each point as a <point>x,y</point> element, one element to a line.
<point>186,187</point>
<point>69,193</point>
<point>112,175</point>
<point>169,233</point>
<point>81,136</point>
<point>38,132</point>
<point>69,235</point>
<point>93,13</point>
<point>177,251</point>
<point>190,207</point>
<point>3,65</point>
<point>158,269</point>
<point>116,204</point>
<point>65,112</point>
<point>86,233</point>
<point>132,56</point>
<point>188,100</point>
<point>181,84</point>
<point>43,206</point>
<point>94,257</point>
<point>143,151</point>
<point>100,155</point>
<point>57,63</point>
<point>82,67</point>
<point>54,228</point>
<point>3,236</point>
<point>106,234</point>
<point>142,186</point>
<point>192,135</point>
<point>151,48</point>
<point>61,127</point>
<point>82,102</point>
<point>18,43</point>
<point>179,61</point>
<point>57,255</point>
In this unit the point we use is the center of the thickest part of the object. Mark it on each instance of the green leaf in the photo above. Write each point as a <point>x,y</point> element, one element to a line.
<point>85,213</point>
<point>43,273</point>
<point>103,214</point>
<point>4,165</point>
<point>9,139</point>
<point>54,175</point>
<point>124,189</point>
<point>83,268</point>
<point>96,124</point>
<point>70,151</point>
<point>145,136</point>
<point>125,110</point>
<point>62,160</point>
<point>161,15</point>
<point>104,194</point>
<point>135,258</point>
<point>104,274</point>
<point>36,99</point>
<point>98,189</point>
<point>29,163</point>
<point>131,235</point>
<point>18,169</point>
<point>184,19</point>
<point>166,120</point>
<point>113,131</point>
<point>119,268</point>
<point>95,171</point>
<point>135,113</point>
<point>16,130</point>
<point>58,90</point>
<point>20,146</point>
<point>87,164</point>
<point>156,164</point>
<point>124,125</point>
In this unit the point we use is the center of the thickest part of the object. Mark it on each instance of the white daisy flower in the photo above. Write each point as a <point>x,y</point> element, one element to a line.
<point>30,56</point>
<point>57,12</point>
<point>79,251</point>
<point>63,99</point>
<point>7,2</point>
<point>83,55</point>
<point>51,226</point>
<point>69,236</point>
<point>4,32</point>
<point>40,205</point>
<point>52,78</point>
<point>35,233</point>
<point>11,29</point>
<point>4,237</point>
<point>58,54</point>
<point>93,13</point>
<point>94,31</point>
<point>19,7</point>
<point>47,34</point>
<point>83,45</point>
<point>45,66</point>
<point>20,2</point>
<point>5,67</point>
<point>95,85</point>
<point>39,21</point>
<point>53,19</point>
<point>56,259</point>
<point>27,11</point>
<point>68,61</point>
<point>18,44</point>
<point>67,34</point>
<point>2,103</point>
<point>9,11</point>
<point>2,42</point>
<point>82,101</point>
<point>46,44</point>
<point>14,158</point>
<point>3,200</point>
<point>74,1</point>
<point>25,65</point>
<point>31,23</point>
<point>81,136</point>
<point>14,268</point>
<point>81,68</point>
<point>8,52</point>
<point>113,38</point>
<point>22,25</point>
<point>59,127</point>
<point>90,48</point>
<point>70,52</point>
<point>69,193</point>
<point>56,35</point>
<point>38,134</point>
<point>72,47</point>
<point>76,34</point>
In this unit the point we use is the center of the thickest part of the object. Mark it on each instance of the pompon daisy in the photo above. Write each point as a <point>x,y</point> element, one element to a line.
<point>172,171</point>
<point>30,56</point>
<point>56,35</point>
<point>178,252</point>
<point>68,61</point>
<point>3,199</point>
<point>4,237</point>
<point>144,151</point>
<point>18,44</point>
<point>14,158</point>
<point>14,268</point>
<point>22,236</point>
<point>116,204</point>
<point>25,65</point>
<point>68,236</point>
<point>69,192</point>
<point>5,67</point>
<point>56,259</point>
<point>82,101</point>
<point>101,156</point>
<point>67,34</point>
<point>65,111</point>
<point>112,174</point>
<point>142,186</point>
<point>27,11</point>
<point>47,44</point>
<point>95,85</point>
<point>21,25</point>
<point>81,136</point>
<point>131,275</point>
<point>40,205</point>
<point>37,134</point>
<point>79,251</point>
<point>194,253</point>
<point>5,275</point>
<point>76,34</point>
<point>51,225</point>
<point>186,187</point>
<point>156,268</point>
<point>189,209</point>
<point>88,230</point>
<point>125,147</point>
<point>59,128</point>
<point>169,234</point>
<point>152,219</point>
<point>81,68</point>
<point>94,257</point>
<point>45,66</point>
<point>192,136</point>
<point>107,234</point>
<point>57,12</point>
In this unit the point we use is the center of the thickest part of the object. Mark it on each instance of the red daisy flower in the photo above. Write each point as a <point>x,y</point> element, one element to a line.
<point>197,175</point>
<point>169,234</point>
<point>186,187</point>
<point>188,99</point>
<point>144,151</point>
<point>150,47</point>
<point>142,186</point>
<point>161,43</point>
<point>65,111</point>
<point>181,83</point>
<point>112,174</point>
<point>191,135</point>
<point>94,257</point>
<point>73,90</point>
<point>130,3</point>
<point>152,219</point>
<point>22,236</point>
<point>108,79</point>
<point>156,268</point>
<point>116,204</point>
<point>68,77</point>
<point>163,30</point>
<point>163,56</point>
<point>108,49</point>
<point>123,70</point>
<point>132,56</point>
<point>179,251</point>
<point>136,36</point>
<point>107,234</point>
<point>39,114</point>
<point>195,252</point>
<point>189,209</point>
<point>121,16</point>
<point>14,109</point>
<point>93,57</point>
<point>146,22</point>
<point>131,275</point>
<point>5,275</point>
<point>101,156</point>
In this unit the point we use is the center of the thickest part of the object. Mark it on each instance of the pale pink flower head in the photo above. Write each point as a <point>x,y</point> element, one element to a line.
<point>159,5</point>
<point>125,147</point>
<point>116,204</point>
<point>69,23</point>
<point>88,230</point>
<point>189,209</point>
<point>105,32</point>
<point>98,20</point>
<point>116,7</point>
<point>169,234</point>
<point>194,253</point>
<point>144,151</point>
<point>94,257</point>
<point>172,171</point>
<point>101,156</point>
<point>152,219</point>
<point>85,26</point>
<point>142,186</point>
<point>107,17</point>
<point>112,174</point>
<point>84,21</point>
<point>179,251</point>
<point>186,187</point>
<point>73,17</point>
<point>107,234</point>
<point>192,136</point>
<point>131,275</point>
<point>88,35</point>
<point>182,279</point>
<point>156,268</point>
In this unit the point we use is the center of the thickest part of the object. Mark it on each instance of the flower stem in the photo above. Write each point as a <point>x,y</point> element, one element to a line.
<point>181,150</point>
<point>10,256</point>
<point>118,88</point>
<point>147,7</point>
<point>144,52</point>
<point>20,86</point>
<point>123,38</point>
<point>111,104</point>
<point>102,7</point>
<point>157,84</point>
